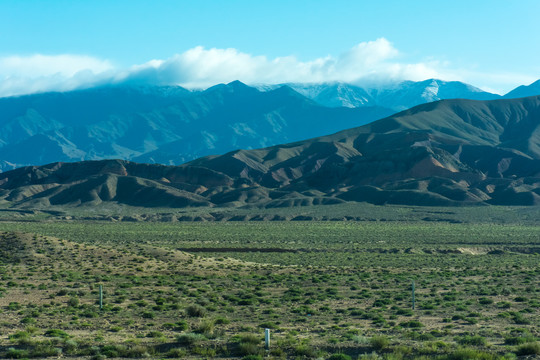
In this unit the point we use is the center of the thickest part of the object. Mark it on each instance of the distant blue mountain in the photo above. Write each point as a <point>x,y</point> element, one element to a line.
<point>172,125</point>
<point>169,125</point>
<point>397,96</point>
<point>524,91</point>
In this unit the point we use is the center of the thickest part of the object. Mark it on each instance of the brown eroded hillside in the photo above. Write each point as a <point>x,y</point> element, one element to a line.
<point>450,152</point>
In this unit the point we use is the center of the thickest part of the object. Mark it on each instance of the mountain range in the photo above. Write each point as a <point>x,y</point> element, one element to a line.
<point>444,153</point>
<point>402,95</point>
<point>168,125</point>
<point>396,96</point>
<point>171,125</point>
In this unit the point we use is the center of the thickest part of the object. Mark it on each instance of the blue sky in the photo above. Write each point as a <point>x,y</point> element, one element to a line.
<point>61,45</point>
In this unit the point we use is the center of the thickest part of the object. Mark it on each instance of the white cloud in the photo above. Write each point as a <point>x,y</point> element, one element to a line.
<point>38,73</point>
<point>47,65</point>
<point>200,67</point>
<point>367,62</point>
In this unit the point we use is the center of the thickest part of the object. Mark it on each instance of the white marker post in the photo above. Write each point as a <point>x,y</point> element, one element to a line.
<point>100,297</point>
<point>267,339</point>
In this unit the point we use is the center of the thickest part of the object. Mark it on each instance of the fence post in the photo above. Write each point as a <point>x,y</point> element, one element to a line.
<point>413,300</point>
<point>100,297</point>
<point>267,338</point>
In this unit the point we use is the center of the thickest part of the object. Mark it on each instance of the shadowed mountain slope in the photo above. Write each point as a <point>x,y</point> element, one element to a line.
<point>169,125</point>
<point>451,152</point>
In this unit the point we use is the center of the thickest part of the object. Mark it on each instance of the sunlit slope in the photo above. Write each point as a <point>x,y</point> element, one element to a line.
<point>452,152</point>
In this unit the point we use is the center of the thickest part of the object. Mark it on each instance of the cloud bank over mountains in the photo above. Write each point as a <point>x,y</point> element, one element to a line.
<point>369,62</point>
<point>39,73</point>
<point>200,67</point>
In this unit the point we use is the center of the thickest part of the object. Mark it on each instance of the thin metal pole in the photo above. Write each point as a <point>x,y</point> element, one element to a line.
<point>100,297</point>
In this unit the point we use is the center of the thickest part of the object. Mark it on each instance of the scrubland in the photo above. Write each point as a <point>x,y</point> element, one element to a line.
<point>334,289</point>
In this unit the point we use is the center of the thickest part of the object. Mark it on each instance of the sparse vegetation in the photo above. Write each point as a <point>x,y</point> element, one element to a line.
<point>333,290</point>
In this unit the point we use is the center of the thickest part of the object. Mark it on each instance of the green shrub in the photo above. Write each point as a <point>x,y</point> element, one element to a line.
<point>405,312</point>
<point>222,321</point>
<point>195,311</point>
<point>470,354</point>
<point>485,301</point>
<point>148,315</point>
<point>190,339</point>
<point>268,325</point>
<point>412,324</point>
<point>28,320</point>
<point>504,305</point>
<point>113,351</point>
<point>278,353</point>
<point>250,338</point>
<point>252,357</point>
<point>532,348</point>
<point>205,327</point>
<point>176,354</point>
<point>399,352</point>
<point>518,340</point>
<point>14,306</point>
<point>248,349</point>
<point>138,351</point>
<point>305,351</point>
<point>520,319</point>
<point>56,333</point>
<point>90,314</point>
<point>154,334</point>
<point>248,344</point>
<point>19,336</point>
<point>379,342</point>
<point>181,325</point>
<point>44,350</point>
<point>13,353</point>
<point>372,356</point>
<point>73,302</point>
<point>339,356</point>
<point>70,346</point>
<point>475,340</point>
